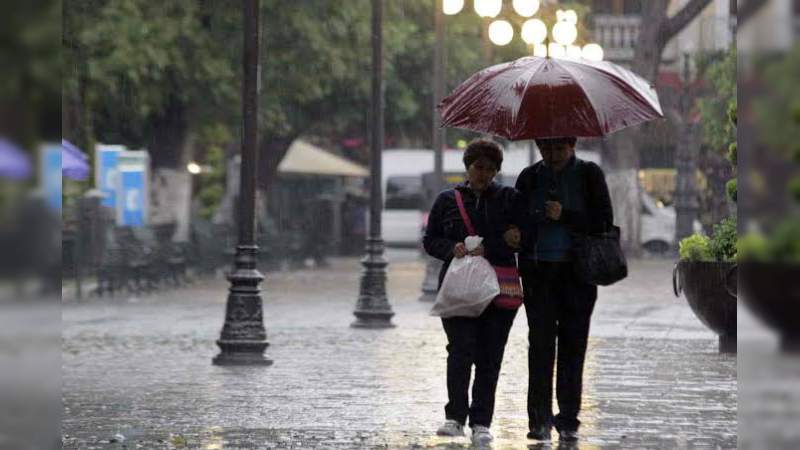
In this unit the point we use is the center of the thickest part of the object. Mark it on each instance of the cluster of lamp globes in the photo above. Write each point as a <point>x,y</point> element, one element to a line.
<point>534,31</point>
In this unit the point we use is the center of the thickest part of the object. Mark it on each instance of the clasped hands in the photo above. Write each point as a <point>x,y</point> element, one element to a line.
<point>512,236</point>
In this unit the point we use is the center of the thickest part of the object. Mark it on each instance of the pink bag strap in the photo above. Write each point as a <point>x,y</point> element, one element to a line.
<point>464,216</point>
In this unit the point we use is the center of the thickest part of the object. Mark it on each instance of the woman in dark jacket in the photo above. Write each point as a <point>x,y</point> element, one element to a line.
<point>474,340</point>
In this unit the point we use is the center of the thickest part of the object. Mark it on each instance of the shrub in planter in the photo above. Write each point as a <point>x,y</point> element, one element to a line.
<point>769,276</point>
<point>723,244</point>
<point>706,276</point>
<point>695,248</point>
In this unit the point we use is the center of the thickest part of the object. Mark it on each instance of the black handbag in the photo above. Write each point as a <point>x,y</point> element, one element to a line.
<point>598,258</point>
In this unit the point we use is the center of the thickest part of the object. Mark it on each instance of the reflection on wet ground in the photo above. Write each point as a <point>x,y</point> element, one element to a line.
<point>141,371</point>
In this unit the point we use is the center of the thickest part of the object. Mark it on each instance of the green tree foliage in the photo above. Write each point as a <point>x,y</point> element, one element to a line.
<point>30,83</point>
<point>152,71</point>
<point>156,72</point>
<point>718,112</point>
<point>723,243</point>
<point>210,183</point>
<point>778,112</point>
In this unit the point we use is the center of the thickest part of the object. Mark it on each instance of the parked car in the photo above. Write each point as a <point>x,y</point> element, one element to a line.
<point>658,225</point>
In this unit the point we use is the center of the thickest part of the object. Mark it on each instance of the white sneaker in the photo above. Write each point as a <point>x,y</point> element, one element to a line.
<point>481,435</point>
<point>450,428</point>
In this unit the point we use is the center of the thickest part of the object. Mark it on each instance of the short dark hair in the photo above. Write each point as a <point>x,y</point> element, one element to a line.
<point>569,140</point>
<point>483,148</point>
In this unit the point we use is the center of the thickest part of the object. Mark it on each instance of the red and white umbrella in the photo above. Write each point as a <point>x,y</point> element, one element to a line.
<point>536,97</point>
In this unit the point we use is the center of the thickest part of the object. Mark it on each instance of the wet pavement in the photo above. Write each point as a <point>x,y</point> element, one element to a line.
<point>137,372</point>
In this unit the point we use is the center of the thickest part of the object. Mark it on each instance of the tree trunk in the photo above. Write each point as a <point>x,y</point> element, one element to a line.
<point>621,156</point>
<point>171,192</point>
<point>271,153</point>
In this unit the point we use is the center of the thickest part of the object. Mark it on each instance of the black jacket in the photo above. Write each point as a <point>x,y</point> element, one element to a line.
<point>491,214</point>
<point>596,218</point>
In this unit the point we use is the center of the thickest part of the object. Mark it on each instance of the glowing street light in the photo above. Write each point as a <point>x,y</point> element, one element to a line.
<point>194,168</point>
<point>555,50</point>
<point>501,32</point>
<point>534,31</point>
<point>565,33</point>
<point>526,8</point>
<point>592,52</point>
<point>452,7</point>
<point>574,52</point>
<point>488,8</point>
<point>540,50</point>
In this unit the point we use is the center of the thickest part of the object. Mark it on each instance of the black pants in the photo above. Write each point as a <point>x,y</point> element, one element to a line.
<point>559,308</point>
<point>479,341</point>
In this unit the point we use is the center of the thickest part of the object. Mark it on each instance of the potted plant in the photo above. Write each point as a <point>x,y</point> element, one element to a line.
<point>706,275</point>
<point>770,259</point>
<point>769,280</point>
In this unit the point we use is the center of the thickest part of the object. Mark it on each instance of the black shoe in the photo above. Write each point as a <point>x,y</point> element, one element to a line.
<point>540,434</point>
<point>568,436</point>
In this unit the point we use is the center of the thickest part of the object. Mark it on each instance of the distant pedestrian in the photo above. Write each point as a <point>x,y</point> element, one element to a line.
<point>478,341</point>
<point>562,195</point>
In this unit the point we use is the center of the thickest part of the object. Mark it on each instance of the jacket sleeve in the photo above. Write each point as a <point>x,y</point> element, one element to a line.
<point>599,214</point>
<point>526,184</point>
<point>520,201</point>
<point>435,242</point>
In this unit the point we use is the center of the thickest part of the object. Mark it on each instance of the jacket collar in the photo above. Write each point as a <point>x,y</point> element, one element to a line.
<point>570,164</point>
<point>464,188</point>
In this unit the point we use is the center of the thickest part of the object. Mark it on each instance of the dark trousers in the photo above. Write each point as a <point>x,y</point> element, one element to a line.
<point>559,308</point>
<point>479,341</point>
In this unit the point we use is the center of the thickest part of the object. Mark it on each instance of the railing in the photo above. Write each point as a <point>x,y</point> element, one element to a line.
<point>617,35</point>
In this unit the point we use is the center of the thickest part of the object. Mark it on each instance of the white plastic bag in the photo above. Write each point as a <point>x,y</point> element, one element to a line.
<point>468,287</point>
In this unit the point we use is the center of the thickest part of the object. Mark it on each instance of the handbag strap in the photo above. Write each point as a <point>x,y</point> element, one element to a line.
<point>464,216</point>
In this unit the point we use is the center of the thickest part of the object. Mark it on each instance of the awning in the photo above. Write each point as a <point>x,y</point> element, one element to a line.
<point>307,159</point>
<point>74,163</point>
<point>14,163</point>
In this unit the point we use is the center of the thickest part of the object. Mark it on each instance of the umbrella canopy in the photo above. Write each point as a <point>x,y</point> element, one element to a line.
<point>14,163</point>
<point>535,97</point>
<point>74,163</point>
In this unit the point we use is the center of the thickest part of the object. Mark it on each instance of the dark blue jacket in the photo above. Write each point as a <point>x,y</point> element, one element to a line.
<point>491,213</point>
<point>595,215</point>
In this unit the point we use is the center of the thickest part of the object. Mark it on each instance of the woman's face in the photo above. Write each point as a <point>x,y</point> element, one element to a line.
<point>481,173</point>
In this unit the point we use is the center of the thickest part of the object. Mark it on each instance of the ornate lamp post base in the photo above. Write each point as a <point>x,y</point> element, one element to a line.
<point>243,338</point>
<point>373,309</point>
<point>238,353</point>
<point>431,281</point>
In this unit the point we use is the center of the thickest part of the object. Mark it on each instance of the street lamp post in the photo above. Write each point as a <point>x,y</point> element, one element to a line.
<point>243,338</point>
<point>372,308</point>
<point>686,205</point>
<point>430,284</point>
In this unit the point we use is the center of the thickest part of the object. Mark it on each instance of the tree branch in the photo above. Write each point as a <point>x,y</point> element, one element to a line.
<point>682,18</point>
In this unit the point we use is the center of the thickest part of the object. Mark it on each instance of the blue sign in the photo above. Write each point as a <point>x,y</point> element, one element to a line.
<point>131,197</point>
<point>107,157</point>
<point>51,175</point>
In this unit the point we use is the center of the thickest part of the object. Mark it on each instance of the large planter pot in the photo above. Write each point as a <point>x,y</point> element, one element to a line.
<point>772,292</point>
<point>710,290</point>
